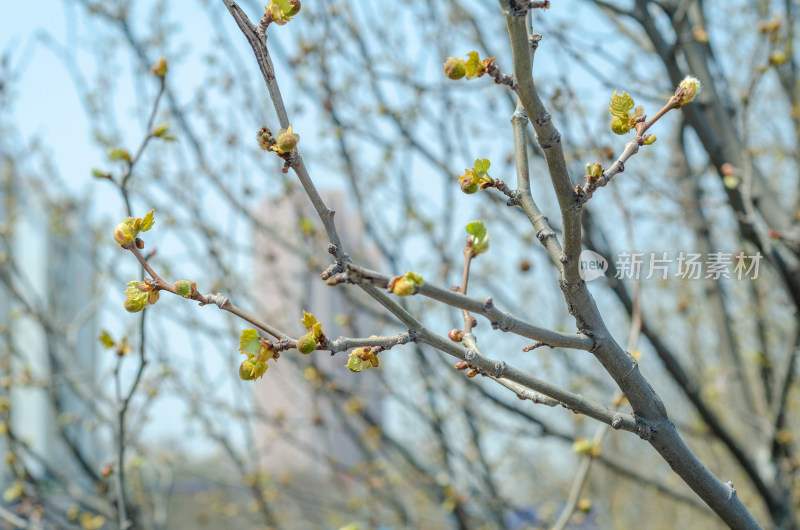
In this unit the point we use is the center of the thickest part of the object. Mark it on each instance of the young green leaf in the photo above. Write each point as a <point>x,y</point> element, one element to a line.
<point>474,66</point>
<point>356,364</point>
<point>621,105</point>
<point>248,343</point>
<point>479,238</point>
<point>118,153</point>
<point>147,221</point>
<point>106,340</point>
<point>481,167</point>
<point>308,320</point>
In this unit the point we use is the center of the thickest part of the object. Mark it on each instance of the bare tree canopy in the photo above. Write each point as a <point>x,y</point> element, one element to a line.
<point>400,264</point>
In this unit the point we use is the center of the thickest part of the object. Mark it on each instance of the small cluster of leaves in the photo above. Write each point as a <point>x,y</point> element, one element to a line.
<point>593,171</point>
<point>362,359</point>
<point>122,347</point>
<point>283,144</point>
<point>406,284</point>
<point>476,178</point>
<point>255,365</point>
<point>623,112</point>
<point>129,228</point>
<point>282,11</point>
<point>478,239</point>
<point>308,342</point>
<point>456,68</point>
<point>139,295</point>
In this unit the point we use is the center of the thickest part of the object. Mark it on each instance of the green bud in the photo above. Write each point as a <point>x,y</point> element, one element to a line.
<point>294,8</point>
<point>730,181</point>
<point>247,371</point>
<point>118,153</point>
<point>161,130</point>
<point>160,68</point>
<point>185,288</point>
<point>306,344</point>
<point>123,234</point>
<point>455,68</point>
<point>691,87</point>
<point>407,284</point>
<point>650,139</point>
<point>286,141</point>
<point>469,187</point>
<point>620,125</point>
<point>134,304</point>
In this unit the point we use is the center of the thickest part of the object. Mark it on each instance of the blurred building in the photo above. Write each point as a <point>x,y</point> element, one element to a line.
<point>288,265</point>
<point>48,334</point>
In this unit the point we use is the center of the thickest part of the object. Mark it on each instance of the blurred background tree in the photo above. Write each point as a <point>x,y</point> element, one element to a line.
<point>413,443</point>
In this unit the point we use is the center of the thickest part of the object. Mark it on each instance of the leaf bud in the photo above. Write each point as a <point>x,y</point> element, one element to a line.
<point>286,141</point>
<point>160,68</point>
<point>650,139</point>
<point>294,8</point>
<point>185,288</point>
<point>469,187</point>
<point>247,371</point>
<point>306,344</point>
<point>123,233</point>
<point>620,125</point>
<point>456,335</point>
<point>134,304</point>
<point>455,68</point>
<point>688,89</point>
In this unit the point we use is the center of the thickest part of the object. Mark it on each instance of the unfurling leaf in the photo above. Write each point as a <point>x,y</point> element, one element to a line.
<point>362,359</point>
<point>474,66</point>
<point>161,130</point>
<point>308,320</point>
<point>147,221</point>
<point>106,340</point>
<point>621,105</point>
<point>118,153</point>
<point>476,178</point>
<point>478,239</point>
<point>282,11</point>
<point>248,342</point>
<point>128,229</point>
